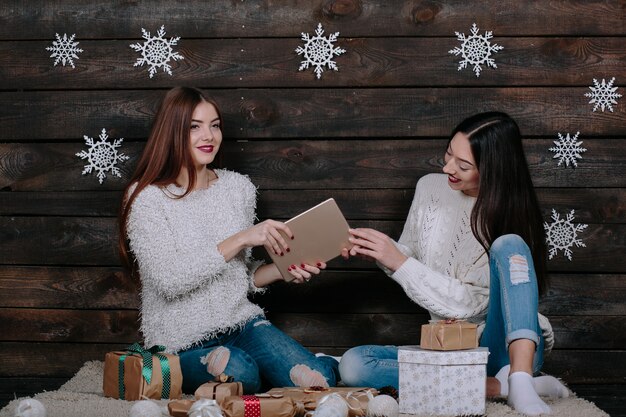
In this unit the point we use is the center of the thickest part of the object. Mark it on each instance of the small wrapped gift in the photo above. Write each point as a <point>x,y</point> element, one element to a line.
<point>190,408</point>
<point>260,405</point>
<point>179,408</point>
<point>449,335</point>
<point>218,390</point>
<point>139,373</point>
<point>442,382</point>
<point>308,398</point>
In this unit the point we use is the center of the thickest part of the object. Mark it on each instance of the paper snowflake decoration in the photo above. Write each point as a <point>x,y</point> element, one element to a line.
<point>562,234</point>
<point>156,51</point>
<point>102,156</point>
<point>476,50</point>
<point>603,94</point>
<point>568,149</point>
<point>64,49</point>
<point>319,51</point>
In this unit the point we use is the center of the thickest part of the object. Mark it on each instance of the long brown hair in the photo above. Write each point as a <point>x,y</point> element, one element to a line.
<point>506,202</point>
<point>166,154</point>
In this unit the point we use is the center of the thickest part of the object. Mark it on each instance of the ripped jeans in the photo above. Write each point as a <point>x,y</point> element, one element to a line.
<point>258,352</point>
<point>511,315</point>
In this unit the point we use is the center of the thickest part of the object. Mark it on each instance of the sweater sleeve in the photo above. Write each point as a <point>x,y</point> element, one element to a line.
<point>443,295</point>
<point>166,259</point>
<point>464,296</point>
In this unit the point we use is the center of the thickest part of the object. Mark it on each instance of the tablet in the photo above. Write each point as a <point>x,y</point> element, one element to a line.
<point>320,233</point>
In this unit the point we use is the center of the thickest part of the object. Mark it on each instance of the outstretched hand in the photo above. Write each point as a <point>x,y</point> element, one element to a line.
<point>375,245</point>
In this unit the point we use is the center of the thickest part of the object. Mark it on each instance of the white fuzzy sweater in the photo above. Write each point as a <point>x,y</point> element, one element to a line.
<point>189,292</point>
<point>447,271</point>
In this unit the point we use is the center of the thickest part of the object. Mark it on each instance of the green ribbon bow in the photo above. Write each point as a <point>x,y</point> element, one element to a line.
<point>146,370</point>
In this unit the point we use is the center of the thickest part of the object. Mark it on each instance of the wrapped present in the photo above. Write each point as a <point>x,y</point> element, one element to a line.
<point>179,408</point>
<point>449,335</point>
<point>442,382</point>
<point>308,398</point>
<point>218,390</point>
<point>139,373</point>
<point>260,405</point>
<point>194,408</point>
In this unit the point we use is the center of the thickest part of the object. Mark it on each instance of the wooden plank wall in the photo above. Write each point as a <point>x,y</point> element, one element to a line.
<point>363,135</point>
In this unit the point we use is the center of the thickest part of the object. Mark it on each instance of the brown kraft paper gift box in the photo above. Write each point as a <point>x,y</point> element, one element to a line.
<point>135,385</point>
<point>261,405</point>
<point>356,397</point>
<point>449,335</point>
<point>218,390</point>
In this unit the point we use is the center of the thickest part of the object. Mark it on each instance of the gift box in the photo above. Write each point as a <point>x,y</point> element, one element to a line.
<point>449,335</point>
<point>218,390</point>
<point>442,382</point>
<point>260,405</point>
<point>179,408</point>
<point>308,398</point>
<point>139,373</point>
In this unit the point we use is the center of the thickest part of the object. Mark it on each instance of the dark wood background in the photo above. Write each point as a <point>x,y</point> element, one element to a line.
<point>363,135</point>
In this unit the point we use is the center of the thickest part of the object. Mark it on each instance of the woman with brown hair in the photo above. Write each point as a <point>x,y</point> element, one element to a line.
<point>188,230</point>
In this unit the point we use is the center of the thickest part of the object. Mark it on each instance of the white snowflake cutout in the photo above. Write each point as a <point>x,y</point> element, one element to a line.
<point>102,156</point>
<point>603,94</point>
<point>476,50</point>
<point>562,234</point>
<point>64,49</point>
<point>568,149</point>
<point>156,51</point>
<point>319,51</point>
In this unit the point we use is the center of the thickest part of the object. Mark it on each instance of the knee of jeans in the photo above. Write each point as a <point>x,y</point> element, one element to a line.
<point>352,366</point>
<point>302,375</point>
<point>511,242</point>
<point>216,360</point>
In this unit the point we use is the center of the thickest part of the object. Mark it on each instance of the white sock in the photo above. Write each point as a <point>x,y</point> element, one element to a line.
<point>503,377</point>
<point>522,396</point>
<point>549,386</point>
<point>545,385</point>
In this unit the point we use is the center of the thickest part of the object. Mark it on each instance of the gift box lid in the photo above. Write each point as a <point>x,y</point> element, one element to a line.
<point>414,354</point>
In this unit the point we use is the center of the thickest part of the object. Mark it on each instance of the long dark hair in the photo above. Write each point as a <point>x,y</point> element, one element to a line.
<point>506,202</point>
<point>166,153</point>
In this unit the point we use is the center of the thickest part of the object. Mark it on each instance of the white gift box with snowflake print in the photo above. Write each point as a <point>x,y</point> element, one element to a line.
<point>442,382</point>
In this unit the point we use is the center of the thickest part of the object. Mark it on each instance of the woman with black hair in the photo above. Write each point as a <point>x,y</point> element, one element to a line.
<point>473,248</point>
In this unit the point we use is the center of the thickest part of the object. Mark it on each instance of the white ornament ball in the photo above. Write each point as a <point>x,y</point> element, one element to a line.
<point>30,408</point>
<point>205,408</point>
<point>382,406</point>
<point>145,408</point>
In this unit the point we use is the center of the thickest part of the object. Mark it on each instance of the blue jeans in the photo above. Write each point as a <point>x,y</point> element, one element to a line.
<point>258,352</point>
<point>511,315</point>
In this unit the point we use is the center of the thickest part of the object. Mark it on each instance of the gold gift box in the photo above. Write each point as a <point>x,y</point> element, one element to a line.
<point>449,335</point>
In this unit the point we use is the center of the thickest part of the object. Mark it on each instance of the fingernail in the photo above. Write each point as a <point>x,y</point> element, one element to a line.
<point>288,250</point>
<point>319,264</point>
<point>289,269</point>
<point>302,266</point>
<point>293,267</point>
<point>292,237</point>
<point>281,254</point>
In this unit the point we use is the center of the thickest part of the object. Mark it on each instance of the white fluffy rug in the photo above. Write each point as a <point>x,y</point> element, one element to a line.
<point>82,396</point>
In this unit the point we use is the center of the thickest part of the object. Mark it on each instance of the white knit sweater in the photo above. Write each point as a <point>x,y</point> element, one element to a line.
<point>189,292</point>
<point>447,271</point>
